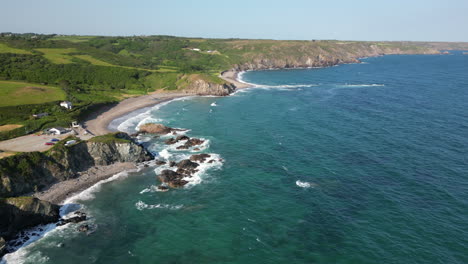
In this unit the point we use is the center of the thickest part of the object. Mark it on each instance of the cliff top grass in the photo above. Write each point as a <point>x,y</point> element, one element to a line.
<point>110,138</point>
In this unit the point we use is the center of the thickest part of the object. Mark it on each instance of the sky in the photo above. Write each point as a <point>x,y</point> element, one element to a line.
<point>416,20</point>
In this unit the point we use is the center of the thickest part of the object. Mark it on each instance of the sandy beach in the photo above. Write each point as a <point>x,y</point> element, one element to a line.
<point>231,76</point>
<point>98,123</point>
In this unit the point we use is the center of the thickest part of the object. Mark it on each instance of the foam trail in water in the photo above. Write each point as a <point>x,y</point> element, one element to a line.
<point>140,205</point>
<point>305,184</point>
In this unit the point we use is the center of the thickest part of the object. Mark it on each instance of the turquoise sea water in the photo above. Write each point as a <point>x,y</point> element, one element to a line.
<point>360,163</point>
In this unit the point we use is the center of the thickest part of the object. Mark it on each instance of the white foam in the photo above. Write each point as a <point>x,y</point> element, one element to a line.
<point>305,184</point>
<point>165,154</point>
<point>214,104</point>
<point>140,205</point>
<point>88,194</point>
<point>361,85</point>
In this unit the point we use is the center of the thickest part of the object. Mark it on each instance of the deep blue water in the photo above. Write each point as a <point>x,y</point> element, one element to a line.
<point>360,163</point>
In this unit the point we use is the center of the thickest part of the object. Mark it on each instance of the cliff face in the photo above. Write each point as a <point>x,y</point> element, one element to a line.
<point>202,87</point>
<point>321,55</point>
<point>23,212</point>
<point>205,85</point>
<point>29,172</point>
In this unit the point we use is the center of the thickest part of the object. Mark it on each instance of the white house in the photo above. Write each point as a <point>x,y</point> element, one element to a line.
<point>66,104</point>
<point>57,130</point>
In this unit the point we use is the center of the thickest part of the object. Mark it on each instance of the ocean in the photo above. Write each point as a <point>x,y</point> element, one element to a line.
<point>358,163</point>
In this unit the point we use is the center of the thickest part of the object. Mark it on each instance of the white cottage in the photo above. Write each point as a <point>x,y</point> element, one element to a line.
<point>66,104</point>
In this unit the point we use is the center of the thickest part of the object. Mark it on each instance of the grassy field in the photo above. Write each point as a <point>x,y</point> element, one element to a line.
<point>6,49</point>
<point>9,127</point>
<point>75,39</point>
<point>20,93</point>
<point>94,61</point>
<point>58,56</point>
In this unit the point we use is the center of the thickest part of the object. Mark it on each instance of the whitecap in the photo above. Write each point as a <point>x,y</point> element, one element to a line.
<point>214,104</point>
<point>140,205</point>
<point>361,85</point>
<point>305,184</point>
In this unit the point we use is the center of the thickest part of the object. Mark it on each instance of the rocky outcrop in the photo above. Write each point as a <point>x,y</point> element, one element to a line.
<point>153,128</point>
<point>205,85</point>
<point>172,178</point>
<point>202,87</point>
<point>30,172</point>
<point>200,157</point>
<point>24,212</point>
<point>191,142</point>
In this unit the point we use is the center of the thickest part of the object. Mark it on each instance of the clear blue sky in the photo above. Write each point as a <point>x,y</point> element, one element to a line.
<point>430,20</point>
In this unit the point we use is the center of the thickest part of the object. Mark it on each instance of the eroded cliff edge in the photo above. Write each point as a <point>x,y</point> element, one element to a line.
<point>31,172</point>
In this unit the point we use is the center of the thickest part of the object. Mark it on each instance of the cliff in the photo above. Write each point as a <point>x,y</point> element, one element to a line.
<point>23,212</point>
<point>203,84</point>
<point>295,54</point>
<point>30,172</point>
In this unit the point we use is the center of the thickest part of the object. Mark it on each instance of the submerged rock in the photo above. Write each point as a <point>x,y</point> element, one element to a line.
<point>160,162</point>
<point>163,188</point>
<point>83,228</point>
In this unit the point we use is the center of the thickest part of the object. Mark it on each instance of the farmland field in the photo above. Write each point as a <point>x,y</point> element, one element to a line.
<point>58,56</point>
<point>20,93</point>
<point>6,49</point>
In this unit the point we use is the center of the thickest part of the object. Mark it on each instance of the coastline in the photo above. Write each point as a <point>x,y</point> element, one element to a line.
<point>232,76</point>
<point>61,191</point>
<point>98,122</point>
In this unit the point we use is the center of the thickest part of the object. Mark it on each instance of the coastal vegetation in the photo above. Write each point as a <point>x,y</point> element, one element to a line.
<point>37,71</point>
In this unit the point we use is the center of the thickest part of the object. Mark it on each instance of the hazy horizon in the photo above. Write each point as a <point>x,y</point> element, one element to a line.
<point>362,20</point>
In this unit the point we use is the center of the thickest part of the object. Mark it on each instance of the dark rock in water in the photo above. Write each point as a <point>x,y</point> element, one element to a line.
<point>191,142</point>
<point>170,141</point>
<point>196,149</point>
<point>187,167</point>
<point>80,217</point>
<point>178,183</point>
<point>211,161</point>
<point>60,245</point>
<point>182,147</point>
<point>172,178</point>
<point>163,188</point>
<point>146,165</point>
<point>200,157</point>
<point>172,163</point>
<point>83,228</point>
<point>167,176</point>
<point>153,128</point>
<point>160,162</point>
<point>182,137</point>
<point>174,133</point>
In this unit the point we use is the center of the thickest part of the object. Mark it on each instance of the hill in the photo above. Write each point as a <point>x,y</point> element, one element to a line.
<point>91,71</point>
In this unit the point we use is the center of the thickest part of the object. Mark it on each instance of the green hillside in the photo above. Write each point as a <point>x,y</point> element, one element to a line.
<point>93,70</point>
